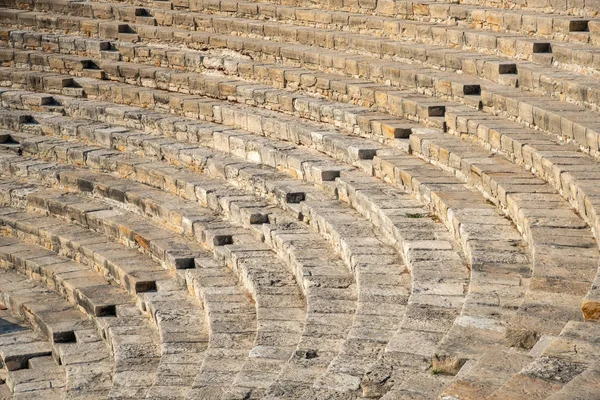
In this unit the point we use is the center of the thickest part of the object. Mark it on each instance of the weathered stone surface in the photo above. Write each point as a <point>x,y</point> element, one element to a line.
<point>299,199</point>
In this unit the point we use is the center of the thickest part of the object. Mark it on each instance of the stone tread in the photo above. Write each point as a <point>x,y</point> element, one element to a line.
<point>523,21</point>
<point>120,331</point>
<point>559,364</point>
<point>478,16</point>
<point>20,295</point>
<point>543,80</point>
<point>491,70</point>
<point>23,362</point>
<point>121,264</point>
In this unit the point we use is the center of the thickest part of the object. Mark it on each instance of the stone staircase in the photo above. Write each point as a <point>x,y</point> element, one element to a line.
<point>341,199</point>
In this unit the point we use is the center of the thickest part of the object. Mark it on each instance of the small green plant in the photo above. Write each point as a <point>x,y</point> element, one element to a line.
<point>415,215</point>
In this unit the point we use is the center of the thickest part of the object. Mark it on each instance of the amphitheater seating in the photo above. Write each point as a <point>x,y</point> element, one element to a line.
<point>295,199</point>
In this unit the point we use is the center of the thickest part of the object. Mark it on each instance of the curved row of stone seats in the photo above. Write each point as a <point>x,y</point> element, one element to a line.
<point>498,258</point>
<point>403,7</point>
<point>570,56</point>
<point>585,8</point>
<point>23,358</point>
<point>351,186</point>
<point>348,181</point>
<point>462,120</point>
<point>479,383</point>
<point>393,8</point>
<point>84,373</point>
<point>419,17</point>
<point>568,121</point>
<point>138,274</point>
<point>19,373</point>
<point>575,336</point>
<point>279,307</point>
<point>579,128</point>
<point>232,326</point>
<point>557,26</point>
<point>530,109</point>
<point>180,323</point>
<point>303,264</point>
<point>366,276</point>
<point>489,67</point>
<point>460,290</point>
<point>116,319</point>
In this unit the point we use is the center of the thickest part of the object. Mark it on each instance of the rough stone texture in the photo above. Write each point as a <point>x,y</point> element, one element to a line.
<point>343,199</point>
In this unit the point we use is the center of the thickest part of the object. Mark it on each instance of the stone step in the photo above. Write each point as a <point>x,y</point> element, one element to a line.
<point>119,332</point>
<point>20,295</point>
<point>488,374</point>
<point>16,356</point>
<point>123,264</point>
<point>490,71</point>
<point>572,356</point>
<point>37,379</point>
<point>229,342</point>
<point>589,9</point>
<point>420,386</point>
<point>187,340</point>
<point>385,8</point>
<point>548,25</point>
<point>565,168</point>
<point>173,341</point>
